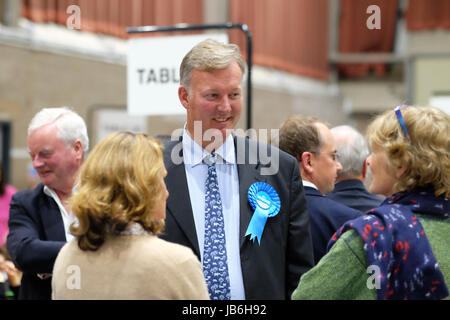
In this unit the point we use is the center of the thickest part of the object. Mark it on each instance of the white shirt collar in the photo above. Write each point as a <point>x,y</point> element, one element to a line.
<point>194,154</point>
<point>67,217</point>
<point>309,184</point>
<point>52,193</point>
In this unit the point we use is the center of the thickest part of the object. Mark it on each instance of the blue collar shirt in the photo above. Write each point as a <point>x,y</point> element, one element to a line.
<point>227,175</point>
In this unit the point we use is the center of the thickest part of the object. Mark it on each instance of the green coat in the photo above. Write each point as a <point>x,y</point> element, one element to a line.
<point>342,273</point>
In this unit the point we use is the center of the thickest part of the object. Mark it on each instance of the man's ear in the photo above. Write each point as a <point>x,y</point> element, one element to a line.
<point>306,163</point>
<point>78,148</point>
<point>183,95</point>
<point>364,169</point>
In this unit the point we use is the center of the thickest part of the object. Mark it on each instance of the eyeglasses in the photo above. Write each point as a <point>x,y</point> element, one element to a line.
<point>400,119</point>
<point>333,155</point>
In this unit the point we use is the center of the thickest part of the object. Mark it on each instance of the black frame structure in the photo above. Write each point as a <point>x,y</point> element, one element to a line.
<point>5,135</point>
<point>196,27</point>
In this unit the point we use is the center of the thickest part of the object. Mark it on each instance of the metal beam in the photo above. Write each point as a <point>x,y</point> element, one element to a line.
<point>366,58</point>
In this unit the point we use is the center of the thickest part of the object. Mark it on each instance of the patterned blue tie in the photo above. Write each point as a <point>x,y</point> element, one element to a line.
<point>215,266</point>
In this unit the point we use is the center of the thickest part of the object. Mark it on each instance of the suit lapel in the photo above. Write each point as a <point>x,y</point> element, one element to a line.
<point>248,174</point>
<point>312,192</point>
<point>179,202</point>
<point>51,219</point>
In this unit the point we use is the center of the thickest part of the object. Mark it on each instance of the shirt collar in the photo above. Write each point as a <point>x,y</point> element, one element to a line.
<point>194,154</point>
<point>52,193</point>
<point>309,184</point>
<point>49,191</point>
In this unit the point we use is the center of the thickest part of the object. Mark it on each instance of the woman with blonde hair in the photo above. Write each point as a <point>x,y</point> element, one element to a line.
<point>120,206</point>
<point>400,249</point>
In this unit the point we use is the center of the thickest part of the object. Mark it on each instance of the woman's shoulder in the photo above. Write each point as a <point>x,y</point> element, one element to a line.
<point>351,241</point>
<point>66,255</point>
<point>153,253</point>
<point>69,249</point>
<point>146,249</point>
<point>154,245</point>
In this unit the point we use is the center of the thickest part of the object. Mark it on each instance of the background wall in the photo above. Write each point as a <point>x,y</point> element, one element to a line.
<point>431,75</point>
<point>33,79</point>
<point>304,56</point>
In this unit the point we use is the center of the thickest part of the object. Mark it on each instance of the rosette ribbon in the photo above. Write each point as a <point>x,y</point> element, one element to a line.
<point>266,203</point>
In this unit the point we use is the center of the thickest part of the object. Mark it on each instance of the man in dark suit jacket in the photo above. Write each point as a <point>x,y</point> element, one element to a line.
<point>353,193</point>
<point>349,189</point>
<point>327,216</point>
<point>39,219</point>
<point>265,268</point>
<point>35,240</point>
<point>312,143</point>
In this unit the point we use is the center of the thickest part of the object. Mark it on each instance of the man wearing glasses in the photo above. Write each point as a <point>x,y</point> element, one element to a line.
<point>311,142</point>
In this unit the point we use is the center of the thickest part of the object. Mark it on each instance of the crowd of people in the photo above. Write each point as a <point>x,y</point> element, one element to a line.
<point>199,218</point>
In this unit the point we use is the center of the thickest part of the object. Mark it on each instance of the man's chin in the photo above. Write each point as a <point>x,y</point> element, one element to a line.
<point>47,181</point>
<point>329,189</point>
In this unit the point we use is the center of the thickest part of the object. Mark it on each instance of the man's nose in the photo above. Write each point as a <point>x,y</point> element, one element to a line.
<point>37,162</point>
<point>224,105</point>
<point>338,166</point>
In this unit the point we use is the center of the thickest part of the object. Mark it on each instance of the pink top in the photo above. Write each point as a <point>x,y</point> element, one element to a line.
<point>4,212</point>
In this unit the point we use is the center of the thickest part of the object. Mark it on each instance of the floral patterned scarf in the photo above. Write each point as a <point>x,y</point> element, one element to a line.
<point>395,241</point>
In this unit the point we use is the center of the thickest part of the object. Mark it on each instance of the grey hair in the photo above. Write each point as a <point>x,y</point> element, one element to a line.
<point>209,55</point>
<point>70,125</point>
<point>352,149</point>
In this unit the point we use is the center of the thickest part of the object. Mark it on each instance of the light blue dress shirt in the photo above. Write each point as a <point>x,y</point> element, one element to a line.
<point>227,175</point>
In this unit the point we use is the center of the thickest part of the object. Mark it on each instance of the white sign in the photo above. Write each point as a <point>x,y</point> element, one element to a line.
<point>441,102</point>
<point>110,121</point>
<point>153,72</point>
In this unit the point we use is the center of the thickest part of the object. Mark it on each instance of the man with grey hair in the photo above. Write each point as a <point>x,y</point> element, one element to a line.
<point>349,189</point>
<point>209,209</point>
<point>40,218</point>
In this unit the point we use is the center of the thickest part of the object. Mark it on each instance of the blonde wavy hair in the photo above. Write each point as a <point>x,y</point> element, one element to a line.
<point>119,183</point>
<point>426,157</point>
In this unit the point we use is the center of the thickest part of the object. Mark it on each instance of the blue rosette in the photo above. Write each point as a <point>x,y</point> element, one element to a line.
<point>265,201</point>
